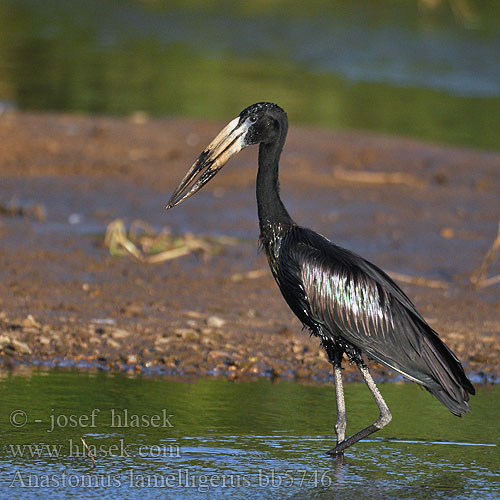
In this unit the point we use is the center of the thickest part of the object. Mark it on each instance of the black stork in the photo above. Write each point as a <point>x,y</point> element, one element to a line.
<point>349,303</point>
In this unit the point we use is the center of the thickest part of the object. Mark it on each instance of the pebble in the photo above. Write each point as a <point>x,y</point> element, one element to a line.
<point>322,354</point>
<point>187,333</point>
<point>310,357</point>
<point>447,232</point>
<point>119,333</point>
<point>103,321</point>
<point>163,340</point>
<point>20,347</point>
<point>220,354</point>
<point>132,309</point>
<point>113,343</point>
<point>31,331</point>
<point>215,322</point>
<point>192,314</point>
<point>132,359</point>
<point>30,322</point>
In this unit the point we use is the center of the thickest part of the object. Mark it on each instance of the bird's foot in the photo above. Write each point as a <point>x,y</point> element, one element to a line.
<point>338,451</point>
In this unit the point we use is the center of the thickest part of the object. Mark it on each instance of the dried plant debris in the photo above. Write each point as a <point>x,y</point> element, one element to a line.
<point>418,280</point>
<point>367,177</point>
<point>478,277</point>
<point>90,452</point>
<point>250,275</point>
<point>16,208</point>
<point>147,245</point>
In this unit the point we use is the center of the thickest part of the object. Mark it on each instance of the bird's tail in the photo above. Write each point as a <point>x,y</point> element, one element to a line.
<point>451,385</point>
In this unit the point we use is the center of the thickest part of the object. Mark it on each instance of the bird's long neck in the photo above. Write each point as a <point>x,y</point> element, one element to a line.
<point>273,216</point>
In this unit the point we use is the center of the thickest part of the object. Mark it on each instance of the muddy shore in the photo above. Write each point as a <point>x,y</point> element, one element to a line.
<point>426,213</point>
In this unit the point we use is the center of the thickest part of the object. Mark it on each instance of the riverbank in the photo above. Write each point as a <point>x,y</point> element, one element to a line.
<point>426,213</point>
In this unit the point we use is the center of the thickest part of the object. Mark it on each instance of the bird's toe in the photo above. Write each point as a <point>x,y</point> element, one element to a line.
<point>338,450</point>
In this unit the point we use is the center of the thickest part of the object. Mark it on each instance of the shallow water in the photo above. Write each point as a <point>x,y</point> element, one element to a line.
<point>213,438</point>
<point>395,67</point>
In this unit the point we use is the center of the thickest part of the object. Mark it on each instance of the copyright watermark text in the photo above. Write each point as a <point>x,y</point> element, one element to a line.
<point>119,418</point>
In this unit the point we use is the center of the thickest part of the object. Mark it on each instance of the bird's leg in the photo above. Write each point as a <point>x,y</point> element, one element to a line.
<point>341,423</point>
<point>383,419</point>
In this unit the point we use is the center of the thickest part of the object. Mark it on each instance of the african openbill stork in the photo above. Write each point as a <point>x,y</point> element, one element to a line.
<point>349,303</point>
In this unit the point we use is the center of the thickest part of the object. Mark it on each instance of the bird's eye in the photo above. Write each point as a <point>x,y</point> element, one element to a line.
<point>253,118</point>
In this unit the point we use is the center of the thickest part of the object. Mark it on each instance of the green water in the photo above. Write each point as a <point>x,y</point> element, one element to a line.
<point>388,66</point>
<point>213,438</point>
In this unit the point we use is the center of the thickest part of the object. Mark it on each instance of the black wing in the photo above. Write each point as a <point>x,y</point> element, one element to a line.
<point>351,298</point>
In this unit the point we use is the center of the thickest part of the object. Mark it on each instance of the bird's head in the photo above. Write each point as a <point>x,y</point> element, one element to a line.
<point>259,123</point>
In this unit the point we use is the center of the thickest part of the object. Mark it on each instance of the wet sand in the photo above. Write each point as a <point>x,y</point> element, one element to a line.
<point>416,210</point>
